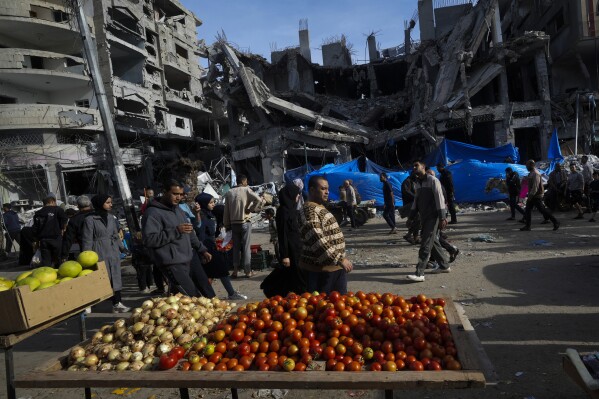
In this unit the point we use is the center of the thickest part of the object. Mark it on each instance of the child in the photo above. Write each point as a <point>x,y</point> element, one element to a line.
<point>269,214</point>
<point>594,194</point>
<point>142,264</point>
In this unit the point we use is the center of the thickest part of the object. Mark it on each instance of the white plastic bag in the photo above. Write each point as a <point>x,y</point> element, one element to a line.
<point>227,238</point>
<point>37,259</point>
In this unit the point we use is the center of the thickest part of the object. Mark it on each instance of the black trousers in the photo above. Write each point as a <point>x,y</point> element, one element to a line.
<point>328,281</point>
<point>351,212</point>
<point>50,249</point>
<point>158,278</point>
<point>451,207</point>
<point>144,275</point>
<point>389,215</point>
<point>514,206</point>
<point>537,203</point>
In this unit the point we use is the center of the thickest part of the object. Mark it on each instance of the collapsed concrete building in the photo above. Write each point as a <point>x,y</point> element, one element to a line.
<point>51,134</point>
<point>489,72</point>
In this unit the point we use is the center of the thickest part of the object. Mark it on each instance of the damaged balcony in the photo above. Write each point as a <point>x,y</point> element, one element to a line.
<point>48,116</point>
<point>132,104</point>
<point>125,25</point>
<point>127,61</point>
<point>178,91</point>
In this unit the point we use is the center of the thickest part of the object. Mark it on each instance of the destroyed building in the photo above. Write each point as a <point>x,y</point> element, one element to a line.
<point>486,72</point>
<point>489,73</point>
<point>51,133</point>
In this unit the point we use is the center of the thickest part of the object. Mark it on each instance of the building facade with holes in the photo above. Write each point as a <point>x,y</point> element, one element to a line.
<point>51,133</point>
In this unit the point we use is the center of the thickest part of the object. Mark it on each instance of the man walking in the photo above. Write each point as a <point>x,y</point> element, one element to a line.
<point>352,202</point>
<point>407,196</point>
<point>446,180</point>
<point>535,198</point>
<point>557,187</point>
<point>587,174</point>
<point>12,226</point>
<point>48,226</point>
<point>389,201</point>
<point>71,242</point>
<point>576,184</point>
<point>240,201</point>
<point>430,204</point>
<point>173,244</point>
<point>323,254</point>
<point>512,180</point>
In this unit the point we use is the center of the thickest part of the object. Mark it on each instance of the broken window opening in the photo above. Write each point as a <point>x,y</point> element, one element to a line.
<point>156,87</point>
<point>60,16</point>
<point>159,117</point>
<point>71,62</point>
<point>151,51</point>
<point>125,20</point>
<point>131,106</point>
<point>177,80</point>
<point>150,37</point>
<point>127,64</point>
<point>181,52</point>
<point>180,123</point>
<point>148,11</point>
<point>82,103</point>
<point>7,100</point>
<point>36,62</point>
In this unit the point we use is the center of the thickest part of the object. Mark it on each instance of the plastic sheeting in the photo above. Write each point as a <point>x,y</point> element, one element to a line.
<point>555,152</point>
<point>454,151</point>
<point>297,173</point>
<point>371,167</point>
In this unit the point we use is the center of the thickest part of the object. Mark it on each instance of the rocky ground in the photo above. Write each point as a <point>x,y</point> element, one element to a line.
<point>529,295</point>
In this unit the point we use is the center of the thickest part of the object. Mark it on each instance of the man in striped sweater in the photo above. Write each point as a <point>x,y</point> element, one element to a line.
<point>430,204</point>
<point>323,254</point>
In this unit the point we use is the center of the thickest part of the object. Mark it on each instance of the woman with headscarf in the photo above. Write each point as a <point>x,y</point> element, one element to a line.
<point>217,267</point>
<point>101,234</point>
<point>290,242</point>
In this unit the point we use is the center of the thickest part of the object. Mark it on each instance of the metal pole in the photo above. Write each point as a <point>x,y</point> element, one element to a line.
<point>10,373</point>
<point>306,154</point>
<point>113,143</point>
<point>576,131</point>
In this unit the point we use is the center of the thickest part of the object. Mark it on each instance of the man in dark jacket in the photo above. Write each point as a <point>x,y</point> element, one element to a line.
<point>430,204</point>
<point>512,180</point>
<point>407,196</point>
<point>169,236</point>
<point>12,226</point>
<point>389,198</point>
<point>446,179</point>
<point>71,242</point>
<point>48,226</point>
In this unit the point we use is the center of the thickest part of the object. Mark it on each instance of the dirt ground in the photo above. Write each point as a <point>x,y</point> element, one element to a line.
<point>529,295</point>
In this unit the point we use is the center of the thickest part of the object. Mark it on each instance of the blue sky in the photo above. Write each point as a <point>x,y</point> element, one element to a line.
<point>254,25</point>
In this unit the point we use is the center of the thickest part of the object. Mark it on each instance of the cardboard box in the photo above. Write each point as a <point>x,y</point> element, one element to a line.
<point>22,309</point>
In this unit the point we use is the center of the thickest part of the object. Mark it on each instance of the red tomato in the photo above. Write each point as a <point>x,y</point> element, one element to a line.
<point>178,352</point>
<point>167,362</point>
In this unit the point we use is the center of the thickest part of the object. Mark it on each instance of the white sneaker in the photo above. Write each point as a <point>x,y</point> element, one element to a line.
<point>120,308</point>
<point>237,296</point>
<point>145,290</point>
<point>415,278</point>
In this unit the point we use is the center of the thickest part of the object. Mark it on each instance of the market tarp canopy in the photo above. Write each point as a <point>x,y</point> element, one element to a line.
<point>454,151</point>
<point>371,167</point>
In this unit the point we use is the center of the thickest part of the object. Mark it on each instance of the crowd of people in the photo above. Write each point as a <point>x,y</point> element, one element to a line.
<point>178,249</point>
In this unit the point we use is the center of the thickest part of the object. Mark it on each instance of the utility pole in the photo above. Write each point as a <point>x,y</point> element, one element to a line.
<point>91,57</point>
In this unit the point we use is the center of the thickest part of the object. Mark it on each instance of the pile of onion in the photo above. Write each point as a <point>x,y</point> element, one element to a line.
<point>152,330</point>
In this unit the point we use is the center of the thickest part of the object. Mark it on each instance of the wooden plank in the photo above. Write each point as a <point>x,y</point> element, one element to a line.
<point>577,371</point>
<point>255,379</point>
<point>465,353</point>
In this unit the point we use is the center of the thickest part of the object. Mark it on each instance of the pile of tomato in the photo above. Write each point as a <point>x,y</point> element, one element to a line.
<point>353,332</point>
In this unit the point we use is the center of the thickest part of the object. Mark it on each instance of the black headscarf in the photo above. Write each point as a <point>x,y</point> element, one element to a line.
<point>204,199</point>
<point>288,198</point>
<point>98,203</point>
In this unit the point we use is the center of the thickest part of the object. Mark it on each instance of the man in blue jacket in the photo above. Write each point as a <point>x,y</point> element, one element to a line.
<point>170,237</point>
<point>12,226</point>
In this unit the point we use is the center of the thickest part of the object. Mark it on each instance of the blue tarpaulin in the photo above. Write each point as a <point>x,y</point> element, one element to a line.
<point>371,167</point>
<point>554,152</point>
<point>453,151</point>
<point>298,173</point>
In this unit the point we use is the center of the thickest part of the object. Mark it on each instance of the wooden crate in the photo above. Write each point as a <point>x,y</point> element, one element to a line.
<point>21,309</point>
<point>474,361</point>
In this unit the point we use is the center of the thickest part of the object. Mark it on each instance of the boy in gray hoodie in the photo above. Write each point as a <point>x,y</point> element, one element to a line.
<point>169,236</point>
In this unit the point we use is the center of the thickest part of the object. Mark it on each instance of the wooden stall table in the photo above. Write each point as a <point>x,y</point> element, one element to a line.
<point>7,342</point>
<point>477,373</point>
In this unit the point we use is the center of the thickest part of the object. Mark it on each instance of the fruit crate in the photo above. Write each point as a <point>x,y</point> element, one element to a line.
<point>477,372</point>
<point>23,309</point>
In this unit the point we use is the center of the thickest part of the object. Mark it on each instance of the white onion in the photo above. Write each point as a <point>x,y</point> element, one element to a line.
<point>91,360</point>
<point>122,366</point>
<point>147,305</point>
<point>136,356</point>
